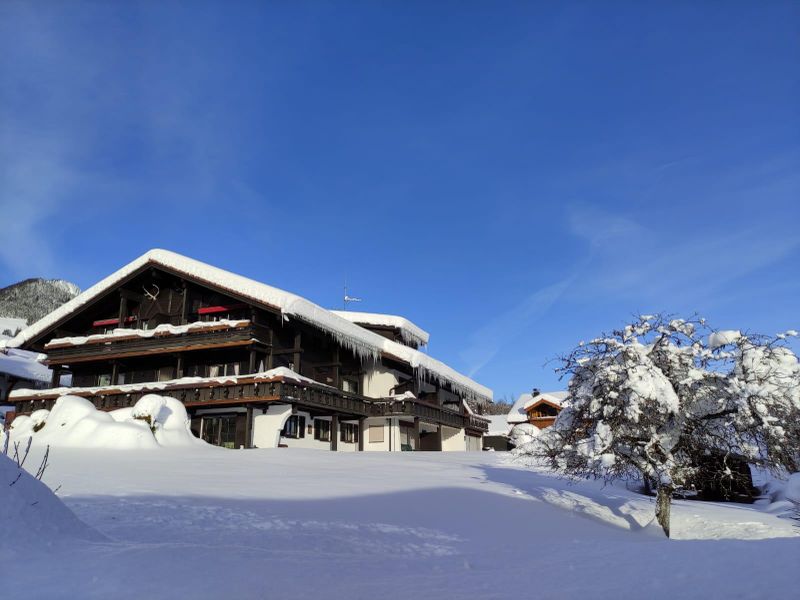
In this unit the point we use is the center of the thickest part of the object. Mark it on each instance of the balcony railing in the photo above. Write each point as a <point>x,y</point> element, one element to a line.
<point>249,390</point>
<point>136,346</point>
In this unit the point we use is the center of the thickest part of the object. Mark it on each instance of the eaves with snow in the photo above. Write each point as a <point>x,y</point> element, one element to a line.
<point>366,344</point>
<point>409,332</point>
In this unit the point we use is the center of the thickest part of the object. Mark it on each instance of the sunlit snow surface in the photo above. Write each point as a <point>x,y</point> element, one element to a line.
<point>211,523</point>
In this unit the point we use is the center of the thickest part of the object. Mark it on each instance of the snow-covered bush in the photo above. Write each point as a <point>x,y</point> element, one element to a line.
<point>152,422</point>
<point>523,434</point>
<point>662,397</point>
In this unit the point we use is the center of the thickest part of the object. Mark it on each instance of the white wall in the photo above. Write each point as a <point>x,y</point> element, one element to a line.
<point>391,434</point>
<point>379,381</point>
<point>453,440</point>
<point>474,443</point>
<point>267,427</point>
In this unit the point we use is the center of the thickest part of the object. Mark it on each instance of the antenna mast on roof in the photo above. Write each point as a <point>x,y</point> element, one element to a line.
<point>347,298</point>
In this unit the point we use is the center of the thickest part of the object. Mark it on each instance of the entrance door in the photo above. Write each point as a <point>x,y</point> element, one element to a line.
<point>220,431</point>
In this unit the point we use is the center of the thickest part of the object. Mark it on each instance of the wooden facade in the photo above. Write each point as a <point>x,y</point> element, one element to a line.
<point>216,365</point>
<point>543,413</point>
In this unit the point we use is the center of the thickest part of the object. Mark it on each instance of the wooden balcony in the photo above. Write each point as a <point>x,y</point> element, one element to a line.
<point>431,413</point>
<point>254,390</point>
<point>115,348</point>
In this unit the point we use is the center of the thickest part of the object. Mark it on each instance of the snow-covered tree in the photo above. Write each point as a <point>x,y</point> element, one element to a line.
<point>653,400</point>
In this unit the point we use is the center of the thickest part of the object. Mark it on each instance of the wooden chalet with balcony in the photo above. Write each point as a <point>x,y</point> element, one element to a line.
<point>255,366</point>
<point>537,408</point>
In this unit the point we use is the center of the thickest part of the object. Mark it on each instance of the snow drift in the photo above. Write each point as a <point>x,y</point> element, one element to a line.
<point>31,514</point>
<point>153,422</point>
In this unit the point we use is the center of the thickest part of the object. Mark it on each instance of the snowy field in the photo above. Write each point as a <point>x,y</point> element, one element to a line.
<point>211,523</point>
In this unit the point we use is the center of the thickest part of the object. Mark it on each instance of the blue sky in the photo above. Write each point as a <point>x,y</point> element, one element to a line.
<point>514,177</point>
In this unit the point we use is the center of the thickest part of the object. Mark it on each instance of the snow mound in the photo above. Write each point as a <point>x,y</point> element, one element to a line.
<point>153,422</point>
<point>524,433</point>
<point>31,514</point>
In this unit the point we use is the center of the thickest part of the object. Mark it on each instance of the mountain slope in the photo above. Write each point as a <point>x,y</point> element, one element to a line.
<point>34,298</point>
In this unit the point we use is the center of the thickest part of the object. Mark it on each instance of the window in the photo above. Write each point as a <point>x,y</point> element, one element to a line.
<point>220,431</point>
<point>350,385</point>
<point>165,373</point>
<point>295,427</point>
<point>104,379</point>
<point>349,433</point>
<point>223,370</point>
<point>322,430</point>
<point>375,433</point>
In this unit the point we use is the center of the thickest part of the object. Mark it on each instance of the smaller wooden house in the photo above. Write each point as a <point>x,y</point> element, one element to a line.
<point>538,408</point>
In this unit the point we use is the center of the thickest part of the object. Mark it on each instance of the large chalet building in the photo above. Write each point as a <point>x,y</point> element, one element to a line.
<point>255,366</point>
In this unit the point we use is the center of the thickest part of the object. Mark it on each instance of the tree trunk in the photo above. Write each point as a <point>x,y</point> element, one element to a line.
<point>663,504</point>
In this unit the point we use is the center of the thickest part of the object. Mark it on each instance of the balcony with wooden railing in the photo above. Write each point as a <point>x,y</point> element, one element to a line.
<point>115,346</point>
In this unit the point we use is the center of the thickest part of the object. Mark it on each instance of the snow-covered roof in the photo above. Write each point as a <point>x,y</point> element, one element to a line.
<point>498,425</point>
<point>517,413</point>
<point>364,343</point>
<point>409,332</point>
<point>24,365</point>
<point>160,331</point>
<point>276,374</point>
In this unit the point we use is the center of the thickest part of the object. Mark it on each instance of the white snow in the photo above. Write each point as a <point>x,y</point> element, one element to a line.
<point>74,422</point>
<point>24,365</point>
<point>12,325</point>
<point>32,517</point>
<point>723,338</point>
<point>366,344</point>
<point>498,425</point>
<point>408,331</point>
<point>210,523</point>
<point>160,331</point>
<point>517,413</point>
<point>524,433</point>
<point>278,373</point>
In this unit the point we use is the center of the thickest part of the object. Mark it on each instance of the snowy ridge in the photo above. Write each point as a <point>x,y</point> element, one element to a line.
<point>409,331</point>
<point>365,344</point>
<point>278,373</point>
<point>32,299</point>
<point>161,330</point>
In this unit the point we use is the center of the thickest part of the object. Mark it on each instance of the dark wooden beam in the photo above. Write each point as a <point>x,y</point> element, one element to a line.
<point>416,434</point>
<point>248,427</point>
<point>296,354</point>
<point>361,434</point>
<point>334,432</point>
<point>123,310</point>
<point>55,380</point>
<point>184,301</point>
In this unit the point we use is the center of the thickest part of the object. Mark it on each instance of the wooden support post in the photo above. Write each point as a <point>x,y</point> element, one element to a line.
<point>336,368</point>
<point>179,367</point>
<point>439,437</point>
<point>248,427</point>
<point>361,434</point>
<point>123,310</point>
<point>184,302</point>
<point>416,434</point>
<point>56,378</point>
<point>251,367</point>
<point>114,372</point>
<point>296,355</point>
<point>334,432</point>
